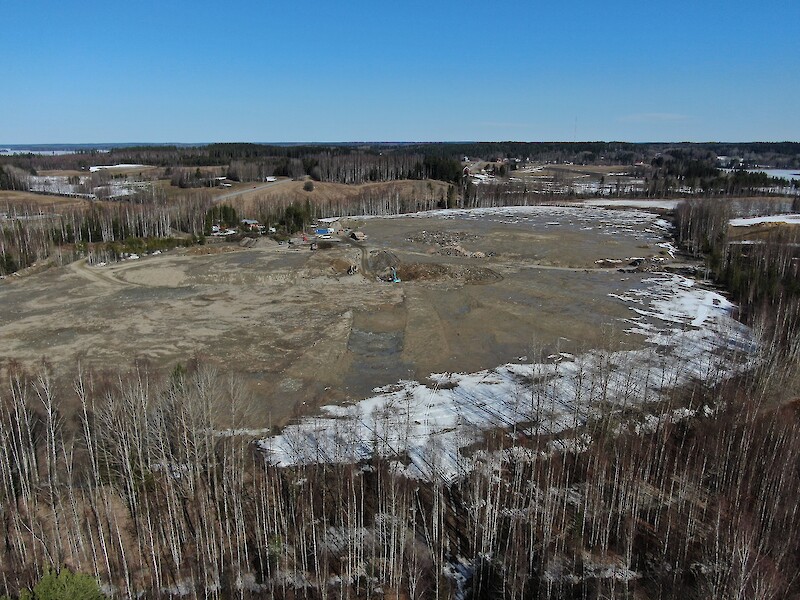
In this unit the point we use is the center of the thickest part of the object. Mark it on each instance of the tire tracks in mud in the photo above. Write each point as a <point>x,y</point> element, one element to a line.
<point>365,270</point>
<point>103,278</point>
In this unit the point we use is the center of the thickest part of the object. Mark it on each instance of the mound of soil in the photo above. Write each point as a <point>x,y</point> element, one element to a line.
<point>448,243</point>
<point>442,238</point>
<point>439,272</point>
<point>341,266</point>
<point>200,250</point>
<point>381,260</point>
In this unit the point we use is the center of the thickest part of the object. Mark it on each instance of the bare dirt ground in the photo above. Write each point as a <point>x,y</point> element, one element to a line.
<point>763,232</point>
<point>300,331</point>
<point>567,174</point>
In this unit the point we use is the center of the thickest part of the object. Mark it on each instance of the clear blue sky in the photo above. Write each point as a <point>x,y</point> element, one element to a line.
<point>197,71</point>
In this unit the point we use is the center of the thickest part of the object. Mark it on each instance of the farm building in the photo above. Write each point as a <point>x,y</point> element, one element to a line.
<point>332,223</point>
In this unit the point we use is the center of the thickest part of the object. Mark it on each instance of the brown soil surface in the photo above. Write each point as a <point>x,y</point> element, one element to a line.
<point>300,331</point>
<point>40,201</point>
<point>292,191</point>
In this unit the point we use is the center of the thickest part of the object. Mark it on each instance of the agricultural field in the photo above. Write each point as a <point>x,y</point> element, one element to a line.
<point>44,202</point>
<point>248,198</point>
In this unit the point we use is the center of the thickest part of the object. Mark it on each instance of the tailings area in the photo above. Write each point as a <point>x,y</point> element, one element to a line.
<point>302,328</point>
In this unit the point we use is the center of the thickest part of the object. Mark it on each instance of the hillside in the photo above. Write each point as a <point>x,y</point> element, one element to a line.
<point>324,193</point>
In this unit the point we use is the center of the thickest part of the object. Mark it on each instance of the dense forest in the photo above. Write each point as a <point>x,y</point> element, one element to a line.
<point>761,274</point>
<point>254,162</point>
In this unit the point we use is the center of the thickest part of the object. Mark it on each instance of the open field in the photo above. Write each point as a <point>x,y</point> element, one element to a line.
<point>45,202</point>
<point>597,336</point>
<point>289,191</point>
<point>581,179</point>
<point>61,173</point>
<point>482,290</point>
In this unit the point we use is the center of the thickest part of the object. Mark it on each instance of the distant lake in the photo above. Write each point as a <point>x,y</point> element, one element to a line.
<point>790,174</point>
<point>42,150</point>
<point>14,152</point>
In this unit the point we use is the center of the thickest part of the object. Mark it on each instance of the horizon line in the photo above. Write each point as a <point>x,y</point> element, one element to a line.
<point>4,145</point>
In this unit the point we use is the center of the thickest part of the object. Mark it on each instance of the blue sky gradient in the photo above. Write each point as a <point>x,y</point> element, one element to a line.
<point>200,71</point>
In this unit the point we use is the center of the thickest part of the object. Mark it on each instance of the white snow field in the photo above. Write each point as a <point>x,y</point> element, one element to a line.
<point>663,204</point>
<point>789,219</point>
<point>120,166</point>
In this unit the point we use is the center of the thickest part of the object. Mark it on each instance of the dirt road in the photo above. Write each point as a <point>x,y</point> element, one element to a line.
<point>227,196</point>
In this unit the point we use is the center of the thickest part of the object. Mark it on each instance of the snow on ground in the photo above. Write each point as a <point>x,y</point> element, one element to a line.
<point>663,204</point>
<point>788,174</point>
<point>54,184</point>
<point>671,250</point>
<point>120,166</point>
<point>118,189</point>
<point>633,222</point>
<point>689,332</point>
<point>793,219</point>
<point>60,185</point>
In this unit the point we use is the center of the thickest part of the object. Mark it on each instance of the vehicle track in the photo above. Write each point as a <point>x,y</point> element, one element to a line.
<point>103,278</point>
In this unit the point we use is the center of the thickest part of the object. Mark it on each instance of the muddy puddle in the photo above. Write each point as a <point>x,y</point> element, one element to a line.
<point>376,343</point>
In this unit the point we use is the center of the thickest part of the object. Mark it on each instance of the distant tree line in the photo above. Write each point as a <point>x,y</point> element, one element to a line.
<point>359,163</point>
<point>192,178</point>
<point>762,273</point>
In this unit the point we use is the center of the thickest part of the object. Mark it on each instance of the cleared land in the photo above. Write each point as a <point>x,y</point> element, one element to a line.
<point>45,202</point>
<point>289,191</point>
<point>301,332</point>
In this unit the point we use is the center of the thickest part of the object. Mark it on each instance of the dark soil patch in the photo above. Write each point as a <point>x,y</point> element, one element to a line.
<point>444,272</point>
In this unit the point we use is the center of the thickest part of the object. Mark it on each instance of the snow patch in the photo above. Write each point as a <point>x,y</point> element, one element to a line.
<point>655,204</point>
<point>119,166</point>
<point>791,219</point>
<point>690,333</point>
